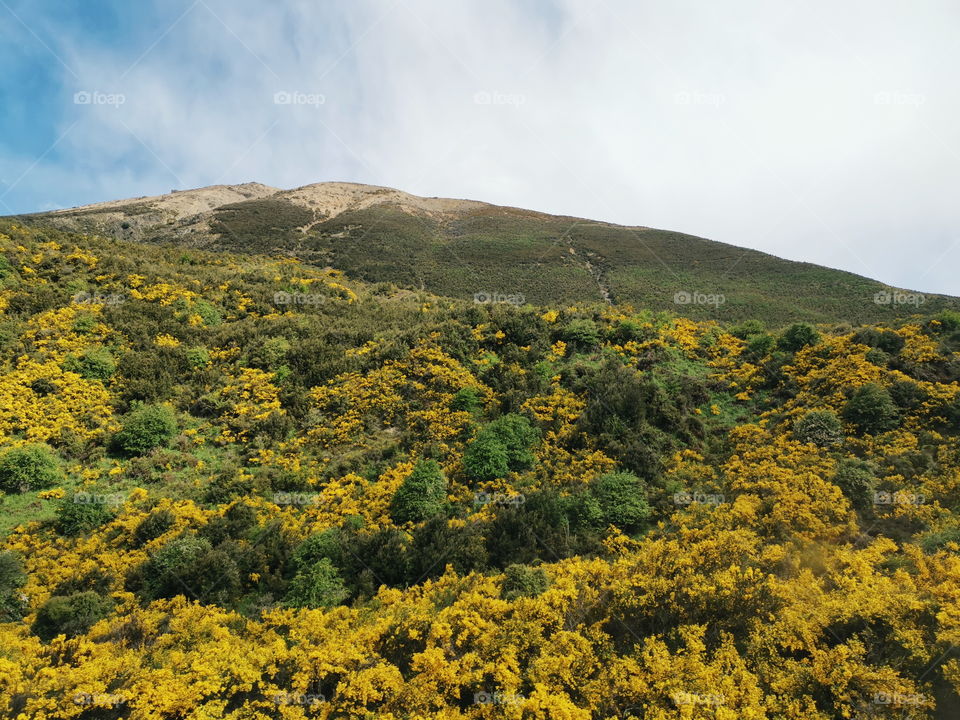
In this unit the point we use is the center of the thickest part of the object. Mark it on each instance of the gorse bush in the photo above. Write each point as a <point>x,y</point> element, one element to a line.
<point>146,428</point>
<point>30,467</point>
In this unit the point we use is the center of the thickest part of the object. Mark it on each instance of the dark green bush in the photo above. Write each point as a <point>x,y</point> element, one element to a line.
<point>820,427</point>
<point>152,526</point>
<point>798,336</point>
<point>29,467</point>
<point>855,479</point>
<point>422,494</point>
<point>12,577</point>
<point>523,581</point>
<point>82,512</point>
<point>70,615</point>
<point>582,333</point>
<point>871,409</point>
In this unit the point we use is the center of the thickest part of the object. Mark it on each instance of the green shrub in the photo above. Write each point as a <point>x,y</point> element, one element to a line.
<point>188,565</point>
<point>523,581</point>
<point>797,337</point>
<point>747,329</point>
<point>70,615</point>
<point>82,512</point>
<point>147,427</point>
<point>759,346</point>
<point>621,500</point>
<point>820,427</point>
<point>907,394</point>
<point>422,494</point>
<point>29,467</point>
<point>198,356</point>
<point>318,586</point>
<point>93,364</point>
<point>12,577</point>
<point>516,434</point>
<point>936,540</point>
<point>871,409</point>
<point>152,526</point>
<point>855,479</point>
<point>582,333</point>
<point>467,400</point>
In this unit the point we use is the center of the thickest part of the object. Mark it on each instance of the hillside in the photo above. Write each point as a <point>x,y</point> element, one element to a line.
<point>246,487</point>
<point>462,248</point>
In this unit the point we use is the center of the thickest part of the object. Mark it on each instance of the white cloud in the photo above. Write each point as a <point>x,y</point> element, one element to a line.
<point>814,131</point>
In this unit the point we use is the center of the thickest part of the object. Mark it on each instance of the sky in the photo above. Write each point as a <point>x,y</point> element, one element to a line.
<point>818,131</point>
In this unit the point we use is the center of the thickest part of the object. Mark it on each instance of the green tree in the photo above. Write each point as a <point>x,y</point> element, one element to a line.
<point>422,494</point>
<point>871,409</point>
<point>147,427</point>
<point>29,467</point>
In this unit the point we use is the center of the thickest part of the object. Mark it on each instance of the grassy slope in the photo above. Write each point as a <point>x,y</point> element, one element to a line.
<point>547,259</point>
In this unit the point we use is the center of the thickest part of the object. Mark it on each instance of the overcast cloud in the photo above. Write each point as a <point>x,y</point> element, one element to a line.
<point>818,131</point>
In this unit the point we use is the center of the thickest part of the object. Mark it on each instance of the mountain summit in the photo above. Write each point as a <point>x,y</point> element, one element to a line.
<point>463,248</point>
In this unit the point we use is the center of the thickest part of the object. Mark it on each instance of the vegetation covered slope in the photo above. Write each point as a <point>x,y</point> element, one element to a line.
<point>461,248</point>
<point>242,487</point>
